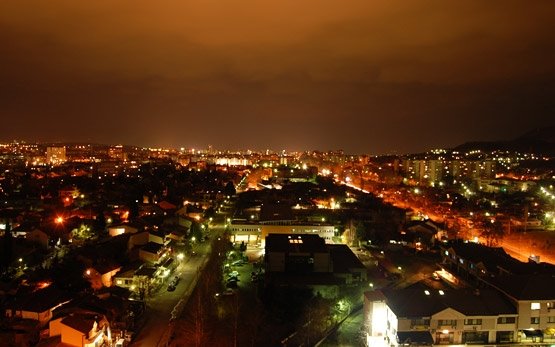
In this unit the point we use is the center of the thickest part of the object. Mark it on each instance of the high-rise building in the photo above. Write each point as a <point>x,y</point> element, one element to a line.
<point>117,153</point>
<point>56,155</point>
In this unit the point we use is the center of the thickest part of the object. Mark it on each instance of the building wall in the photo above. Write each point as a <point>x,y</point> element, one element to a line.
<point>256,233</point>
<point>525,314</point>
<point>381,329</point>
<point>55,327</point>
<point>107,277</point>
<point>147,256</point>
<point>121,229</point>
<point>138,239</point>
<point>444,325</point>
<point>42,317</point>
<point>155,238</point>
<point>71,336</point>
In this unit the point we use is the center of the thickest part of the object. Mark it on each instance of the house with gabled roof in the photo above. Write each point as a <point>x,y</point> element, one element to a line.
<point>83,330</point>
<point>151,252</point>
<point>534,297</point>
<point>38,237</point>
<point>37,305</point>
<point>421,316</point>
<point>529,286</point>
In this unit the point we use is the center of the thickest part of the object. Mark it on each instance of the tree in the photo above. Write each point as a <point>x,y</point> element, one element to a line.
<point>493,232</point>
<point>195,232</point>
<point>7,247</point>
<point>210,212</point>
<point>229,189</point>
<point>133,209</point>
<point>360,230</point>
<point>100,221</point>
<point>69,275</point>
<point>315,320</point>
<point>242,246</point>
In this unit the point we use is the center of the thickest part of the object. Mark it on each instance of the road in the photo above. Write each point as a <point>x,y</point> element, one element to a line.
<point>348,334</point>
<point>161,305</point>
<point>522,245</point>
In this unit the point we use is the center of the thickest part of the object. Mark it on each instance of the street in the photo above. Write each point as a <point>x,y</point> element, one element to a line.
<point>349,333</point>
<point>160,306</point>
<point>522,245</point>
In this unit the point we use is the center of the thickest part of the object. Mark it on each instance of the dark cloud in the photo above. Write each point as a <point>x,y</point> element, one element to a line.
<point>366,76</point>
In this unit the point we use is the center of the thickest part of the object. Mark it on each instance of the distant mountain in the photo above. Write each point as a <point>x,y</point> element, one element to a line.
<point>539,141</point>
<point>540,134</point>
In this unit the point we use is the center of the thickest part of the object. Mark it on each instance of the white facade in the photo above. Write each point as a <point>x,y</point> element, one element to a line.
<point>446,327</point>
<point>257,232</point>
<point>381,323</point>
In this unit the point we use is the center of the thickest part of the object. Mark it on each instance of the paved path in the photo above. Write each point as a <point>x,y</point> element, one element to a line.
<point>161,305</point>
<point>348,334</point>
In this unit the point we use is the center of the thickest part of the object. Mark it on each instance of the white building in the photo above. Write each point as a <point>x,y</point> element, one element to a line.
<point>420,316</point>
<point>256,232</point>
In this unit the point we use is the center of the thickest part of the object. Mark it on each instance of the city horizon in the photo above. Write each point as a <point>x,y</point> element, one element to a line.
<point>209,147</point>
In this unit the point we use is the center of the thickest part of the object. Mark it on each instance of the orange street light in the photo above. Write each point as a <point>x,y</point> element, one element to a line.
<point>59,220</point>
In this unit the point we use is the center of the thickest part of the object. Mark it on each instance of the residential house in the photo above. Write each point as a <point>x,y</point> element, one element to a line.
<point>152,252</point>
<point>101,274</point>
<point>38,237</point>
<point>83,330</point>
<point>119,229</point>
<point>421,316</point>
<point>37,306</point>
<point>534,297</point>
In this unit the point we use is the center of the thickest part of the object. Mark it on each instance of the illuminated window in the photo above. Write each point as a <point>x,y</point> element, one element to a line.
<point>535,320</point>
<point>505,320</point>
<point>535,306</point>
<point>551,319</point>
<point>473,321</point>
<point>451,322</point>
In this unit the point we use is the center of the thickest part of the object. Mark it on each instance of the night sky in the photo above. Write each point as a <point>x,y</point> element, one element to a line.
<point>366,76</point>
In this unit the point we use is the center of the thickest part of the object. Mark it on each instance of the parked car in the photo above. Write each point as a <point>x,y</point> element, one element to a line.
<point>227,292</point>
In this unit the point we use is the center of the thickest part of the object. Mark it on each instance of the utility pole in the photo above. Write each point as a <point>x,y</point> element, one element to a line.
<point>525,217</point>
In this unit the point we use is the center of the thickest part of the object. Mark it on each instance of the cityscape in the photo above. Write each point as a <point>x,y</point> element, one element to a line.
<point>120,245</point>
<point>248,173</point>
